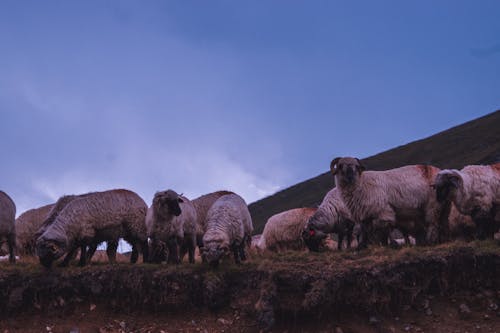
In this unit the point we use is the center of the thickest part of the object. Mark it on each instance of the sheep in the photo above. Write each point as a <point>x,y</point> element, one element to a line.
<point>475,191</point>
<point>172,220</point>
<point>332,216</point>
<point>202,204</point>
<point>283,231</point>
<point>7,223</point>
<point>90,250</point>
<point>398,198</point>
<point>228,227</point>
<point>27,225</point>
<point>94,218</point>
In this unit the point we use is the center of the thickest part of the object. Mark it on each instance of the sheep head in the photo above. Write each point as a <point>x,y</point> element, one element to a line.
<point>446,184</point>
<point>346,169</point>
<point>313,238</point>
<point>213,252</point>
<point>49,250</point>
<point>167,202</point>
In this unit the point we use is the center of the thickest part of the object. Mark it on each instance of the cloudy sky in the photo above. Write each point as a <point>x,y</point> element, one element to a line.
<point>251,96</point>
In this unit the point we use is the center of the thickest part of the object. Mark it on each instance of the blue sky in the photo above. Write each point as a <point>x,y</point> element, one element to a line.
<point>250,96</point>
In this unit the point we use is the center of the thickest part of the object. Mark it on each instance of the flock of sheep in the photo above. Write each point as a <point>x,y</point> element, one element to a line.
<point>421,201</point>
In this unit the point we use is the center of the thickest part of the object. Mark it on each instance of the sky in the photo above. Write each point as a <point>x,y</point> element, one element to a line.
<point>250,96</point>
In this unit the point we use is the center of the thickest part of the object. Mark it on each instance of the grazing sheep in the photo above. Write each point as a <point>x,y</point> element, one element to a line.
<point>229,227</point>
<point>89,250</point>
<point>332,216</point>
<point>7,223</point>
<point>95,218</point>
<point>475,191</point>
<point>27,225</point>
<point>283,231</point>
<point>172,220</point>
<point>202,204</point>
<point>398,198</point>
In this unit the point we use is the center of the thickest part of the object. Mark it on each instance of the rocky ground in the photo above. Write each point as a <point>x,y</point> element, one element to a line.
<point>449,288</point>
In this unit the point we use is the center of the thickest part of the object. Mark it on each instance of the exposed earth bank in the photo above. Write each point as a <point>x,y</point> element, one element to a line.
<point>449,288</point>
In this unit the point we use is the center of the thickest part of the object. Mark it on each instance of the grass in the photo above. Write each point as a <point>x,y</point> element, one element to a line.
<point>266,261</point>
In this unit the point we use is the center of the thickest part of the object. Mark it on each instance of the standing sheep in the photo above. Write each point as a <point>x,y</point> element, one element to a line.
<point>332,216</point>
<point>172,220</point>
<point>398,198</point>
<point>284,230</point>
<point>229,227</point>
<point>475,191</point>
<point>95,218</point>
<point>27,225</point>
<point>7,224</point>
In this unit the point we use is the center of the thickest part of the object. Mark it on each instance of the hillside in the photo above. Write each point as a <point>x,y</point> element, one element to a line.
<point>474,142</point>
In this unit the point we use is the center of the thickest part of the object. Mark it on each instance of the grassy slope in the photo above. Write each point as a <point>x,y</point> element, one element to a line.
<point>475,142</point>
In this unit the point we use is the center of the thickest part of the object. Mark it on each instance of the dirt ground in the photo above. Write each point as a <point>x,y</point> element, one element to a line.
<point>444,316</point>
<point>451,288</point>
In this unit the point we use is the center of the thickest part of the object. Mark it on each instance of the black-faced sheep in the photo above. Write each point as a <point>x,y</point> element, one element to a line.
<point>172,221</point>
<point>228,228</point>
<point>27,225</point>
<point>92,219</point>
<point>332,216</point>
<point>398,198</point>
<point>7,223</point>
<point>283,231</point>
<point>475,191</point>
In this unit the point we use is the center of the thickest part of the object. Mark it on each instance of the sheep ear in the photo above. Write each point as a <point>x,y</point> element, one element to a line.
<point>361,167</point>
<point>333,165</point>
<point>180,199</point>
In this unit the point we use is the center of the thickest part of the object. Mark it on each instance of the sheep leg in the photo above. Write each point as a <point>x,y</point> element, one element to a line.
<point>362,237</point>
<point>90,252</point>
<point>145,251</point>
<point>83,256</point>
<point>111,248</point>
<point>349,239</point>
<point>173,251</point>
<point>69,256</point>
<point>242,253</point>
<point>183,250</point>
<point>11,242</point>
<point>191,254</point>
<point>236,253</point>
<point>135,253</point>
<point>191,245</point>
<point>340,239</point>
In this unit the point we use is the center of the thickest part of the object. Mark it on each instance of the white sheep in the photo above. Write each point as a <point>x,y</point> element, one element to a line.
<point>172,221</point>
<point>332,216</point>
<point>88,249</point>
<point>475,191</point>
<point>283,231</point>
<point>94,218</point>
<point>228,228</point>
<point>202,204</point>
<point>398,198</point>
<point>7,224</point>
<point>27,225</point>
